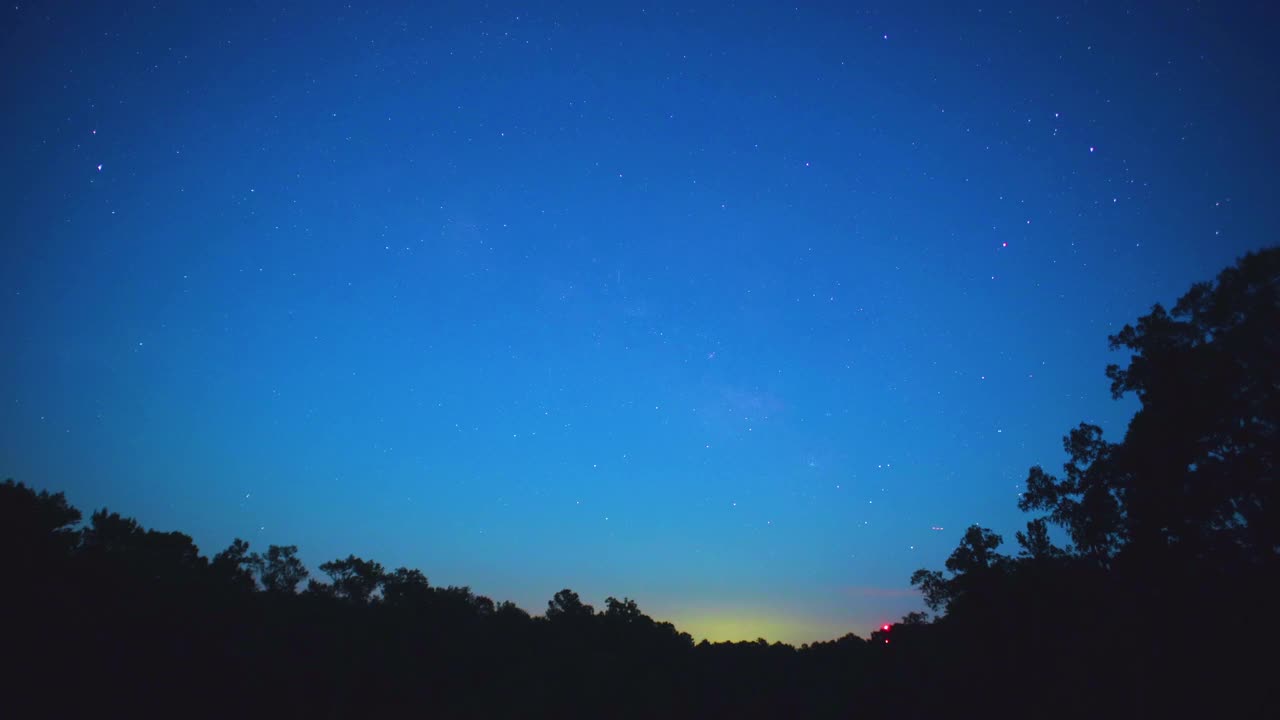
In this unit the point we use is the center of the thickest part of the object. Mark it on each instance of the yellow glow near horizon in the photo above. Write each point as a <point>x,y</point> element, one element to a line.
<point>750,625</point>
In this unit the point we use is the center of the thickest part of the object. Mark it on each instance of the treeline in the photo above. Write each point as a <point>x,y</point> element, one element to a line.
<point>1159,603</point>
<point>115,617</point>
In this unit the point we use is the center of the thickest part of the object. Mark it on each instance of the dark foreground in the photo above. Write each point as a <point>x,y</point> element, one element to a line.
<point>117,621</point>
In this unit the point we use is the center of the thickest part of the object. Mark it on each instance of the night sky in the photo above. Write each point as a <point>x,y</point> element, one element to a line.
<point>742,312</point>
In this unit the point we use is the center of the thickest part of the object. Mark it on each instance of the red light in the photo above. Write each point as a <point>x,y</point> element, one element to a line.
<point>884,628</point>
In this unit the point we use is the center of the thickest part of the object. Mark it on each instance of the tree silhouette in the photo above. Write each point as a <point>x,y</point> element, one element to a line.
<point>404,587</point>
<point>109,533</point>
<point>624,611</point>
<point>510,610</point>
<point>280,570</point>
<point>1196,473</point>
<point>354,579</point>
<point>137,603</point>
<point>969,564</point>
<point>234,566</point>
<point>566,605</point>
<point>1178,520</point>
<point>484,606</point>
<point>976,552</point>
<point>1087,501</point>
<point>914,618</point>
<point>1202,463</point>
<point>124,552</point>
<point>1035,542</point>
<point>35,527</point>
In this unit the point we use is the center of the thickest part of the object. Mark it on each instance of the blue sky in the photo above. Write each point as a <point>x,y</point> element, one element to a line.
<point>723,309</point>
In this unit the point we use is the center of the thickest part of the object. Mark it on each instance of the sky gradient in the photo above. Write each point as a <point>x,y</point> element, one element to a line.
<point>743,312</point>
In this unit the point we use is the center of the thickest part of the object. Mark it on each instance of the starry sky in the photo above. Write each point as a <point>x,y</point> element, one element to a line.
<point>742,311</point>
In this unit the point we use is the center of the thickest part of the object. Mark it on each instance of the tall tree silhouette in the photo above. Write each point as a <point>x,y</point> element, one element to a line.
<point>1195,475</point>
<point>1178,520</point>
